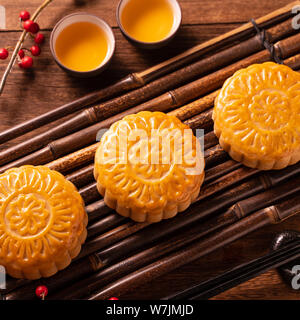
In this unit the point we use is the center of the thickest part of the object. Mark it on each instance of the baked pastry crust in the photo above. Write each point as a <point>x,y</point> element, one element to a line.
<point>146,190</point>
<point>42,222</point>
<point>257,116</point>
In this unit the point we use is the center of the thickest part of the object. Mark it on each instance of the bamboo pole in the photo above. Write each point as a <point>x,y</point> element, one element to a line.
<point>82,176</point>
<point>268,216</point>
<point>221,169</point>
<point>87,154</point>
<point>105,258</point>
<point>235,213</point>
<point>201,208</point>
<point>139,79</point>
<point>173,99</point>
<point>97,209</point>
<point>170,100</point>
<point>212,157</point>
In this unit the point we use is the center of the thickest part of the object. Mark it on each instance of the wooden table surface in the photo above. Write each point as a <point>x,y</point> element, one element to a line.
<point>28,94</point>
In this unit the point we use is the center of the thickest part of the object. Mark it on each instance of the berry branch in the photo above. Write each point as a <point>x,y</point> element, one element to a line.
<point>29,27</point>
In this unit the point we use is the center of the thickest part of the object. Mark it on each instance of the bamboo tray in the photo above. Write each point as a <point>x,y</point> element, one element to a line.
<point>120,254</point>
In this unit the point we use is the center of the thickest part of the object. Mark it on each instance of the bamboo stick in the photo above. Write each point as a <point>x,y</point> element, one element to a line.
<point>294,62</point>
<point>223,168</point>
<point>195,107</point>
<point>87,154</point>
<point>113,238</point>
<point>156,231</point>
<point>106,258</point>
<point>217,185</point>
<point>245,272</point>
<point>70,143</point>
<point>137,80</point>
<point>212,156</point>
<point>105,224</point>
<point>210,140</point>
<point>169,100</point>
<point>268,216</point>
<point>78,158</point>
<point>202,120</point>
<point>201,209</point>
<point>82,176</point>
<point>89,193</point>
<point>72,160</point>
<point>98,209</point>
<point>235,213</point>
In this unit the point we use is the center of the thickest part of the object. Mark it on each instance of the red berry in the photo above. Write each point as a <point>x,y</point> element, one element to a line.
<point>27,25</point>
<point>3,53</point>
<point>113,298</point>
<point>21,54</point>
<point>41,292</point>
<point>35,28</point>
<point>24,15</point>
<point>26,62</point>
<point>31,26</point>
<point>35,50</point>
<point>39,38</point>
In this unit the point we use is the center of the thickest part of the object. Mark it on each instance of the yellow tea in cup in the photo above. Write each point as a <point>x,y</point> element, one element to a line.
<point>81,46</point>
<point>147,20</point>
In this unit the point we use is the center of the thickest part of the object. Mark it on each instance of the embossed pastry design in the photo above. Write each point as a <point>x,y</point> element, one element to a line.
<point>257,116</point>
<point>42,222</point>
<point>142,188</point>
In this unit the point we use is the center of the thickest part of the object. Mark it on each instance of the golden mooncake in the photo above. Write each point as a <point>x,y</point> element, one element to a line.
<point>257,116</point>
<point>149,166</point>
<point>42,222</point>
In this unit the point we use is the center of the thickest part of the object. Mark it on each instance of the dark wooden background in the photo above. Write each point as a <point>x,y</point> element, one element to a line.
<point>28,94</point>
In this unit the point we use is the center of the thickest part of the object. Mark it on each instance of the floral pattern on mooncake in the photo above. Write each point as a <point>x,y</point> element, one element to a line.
<point>145,178</point>
<point>257,116</point>
<point>42,222</point>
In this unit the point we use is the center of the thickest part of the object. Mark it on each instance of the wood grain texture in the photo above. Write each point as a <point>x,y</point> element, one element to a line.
<point>194,11</point>
<point>28,94</point>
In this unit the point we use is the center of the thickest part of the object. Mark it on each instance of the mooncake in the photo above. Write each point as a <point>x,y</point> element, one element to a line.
<point>257,116</point>
<point>149,166</point>
<point>42,222</point>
